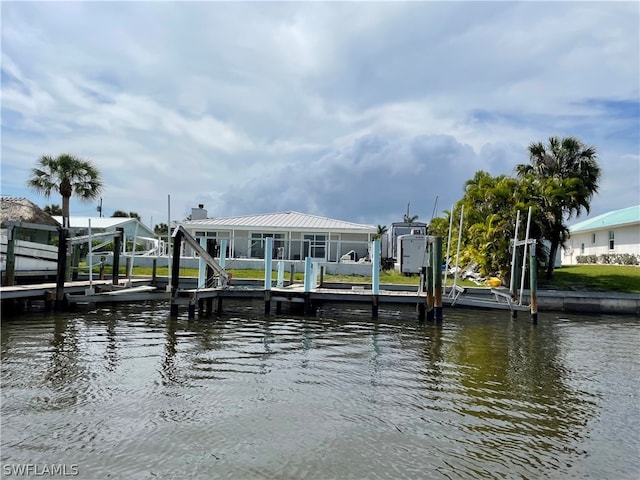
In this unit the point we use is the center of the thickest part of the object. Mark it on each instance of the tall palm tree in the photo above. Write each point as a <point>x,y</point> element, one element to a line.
<point>566,174</point>
<point>68,175</point>
<point>382,229</point>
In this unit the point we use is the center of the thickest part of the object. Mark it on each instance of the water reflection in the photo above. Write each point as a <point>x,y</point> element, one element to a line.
<point>337,396</point>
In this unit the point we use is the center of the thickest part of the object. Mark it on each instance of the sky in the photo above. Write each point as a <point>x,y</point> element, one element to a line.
<point>352,111</point>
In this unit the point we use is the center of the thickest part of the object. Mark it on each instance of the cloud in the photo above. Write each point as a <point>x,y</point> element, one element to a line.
<point>349,110</point>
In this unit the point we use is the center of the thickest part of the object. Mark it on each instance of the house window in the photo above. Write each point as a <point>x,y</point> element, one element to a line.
<point>611,239</point>
<point>593,239</point>
<point>206,234</point>
<point>257,244</point>
<point>582,249</point>
<point>315,245</point>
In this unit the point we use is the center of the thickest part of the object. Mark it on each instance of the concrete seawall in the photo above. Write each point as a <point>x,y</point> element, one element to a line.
<point>589,302</point>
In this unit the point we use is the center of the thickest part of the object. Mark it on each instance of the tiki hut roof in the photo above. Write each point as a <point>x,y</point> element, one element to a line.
<point>22,210</point>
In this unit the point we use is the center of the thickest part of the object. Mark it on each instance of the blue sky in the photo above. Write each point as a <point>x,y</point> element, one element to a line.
<point>345,110</point>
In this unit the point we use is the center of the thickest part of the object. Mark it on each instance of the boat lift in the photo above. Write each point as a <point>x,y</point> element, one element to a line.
<point>501,297</point>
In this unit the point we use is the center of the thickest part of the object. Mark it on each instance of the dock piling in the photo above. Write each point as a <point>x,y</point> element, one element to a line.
<point>63,234</point>
<point>11,256</point>
<point>533,282</point>
<point>437,277</point>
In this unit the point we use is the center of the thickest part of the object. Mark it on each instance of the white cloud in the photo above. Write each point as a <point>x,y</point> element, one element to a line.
<point>348,110</point>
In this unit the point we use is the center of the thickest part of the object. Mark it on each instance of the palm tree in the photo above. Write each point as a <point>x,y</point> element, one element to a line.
<point>68,175</point>
<point>120,213</point>
<point>565,173</point>
<point>382,229</point>
<point>53,209</point>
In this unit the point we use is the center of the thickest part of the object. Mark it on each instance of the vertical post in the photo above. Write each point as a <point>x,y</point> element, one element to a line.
<point>513,288</point>
<point>62,265</point>
<point>90,258</point>
<point>223,253</point>
<point>455,275</point>
<point>175,272</point>
<point>117,244</point>
<point>307,285</point>
<point>375,276</point>
<point>133,252</point>
<point>292,273</point>
<point>375,267</point>
<point>437,277</point>
<point>11,255</point>
<point>429,276</point>
<point>69,263</point>
<point>280,280</point>
<point>533,282</point>
<point>127,268</point>
<point>211,250</point>
<point>76,262</point>
<point>446,270</point>
<point>90,290</point>
<point>154,271</point>
<point>268,262</point>
<point>268,265</point>
<point>169,262</point>
<point>524,255</point>
<point>202,265</point>
<point>321,275</point>
<point>307,274</point>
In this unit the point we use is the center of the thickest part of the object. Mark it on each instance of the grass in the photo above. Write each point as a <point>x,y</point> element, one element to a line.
<point>594,278</point>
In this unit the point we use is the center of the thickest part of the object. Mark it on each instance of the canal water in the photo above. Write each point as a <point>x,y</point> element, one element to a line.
<point>127,392</point>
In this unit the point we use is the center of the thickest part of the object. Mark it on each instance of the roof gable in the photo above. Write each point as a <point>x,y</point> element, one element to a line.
<point>106,223</point>
<point>284,220</point>
<point>624,216</point>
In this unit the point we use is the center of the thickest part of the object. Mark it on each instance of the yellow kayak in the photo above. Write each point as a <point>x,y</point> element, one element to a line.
<point>494,282</point>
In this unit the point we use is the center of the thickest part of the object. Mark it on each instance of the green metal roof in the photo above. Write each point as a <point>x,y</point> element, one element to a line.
<point>616,218</point>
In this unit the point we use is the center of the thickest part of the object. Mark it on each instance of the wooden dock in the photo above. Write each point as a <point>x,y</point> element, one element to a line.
<point>202,299</point>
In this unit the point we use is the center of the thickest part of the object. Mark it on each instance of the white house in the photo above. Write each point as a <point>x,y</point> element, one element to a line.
<point>295,236</point>
<point>613,233</point>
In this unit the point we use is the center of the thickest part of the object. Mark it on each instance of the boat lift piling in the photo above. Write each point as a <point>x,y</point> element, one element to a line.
<point>375,277</point>
<point>268,263</point>
<point>519,268</point>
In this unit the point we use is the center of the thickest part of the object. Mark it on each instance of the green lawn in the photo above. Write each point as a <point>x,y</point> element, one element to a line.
<point>595,278</point>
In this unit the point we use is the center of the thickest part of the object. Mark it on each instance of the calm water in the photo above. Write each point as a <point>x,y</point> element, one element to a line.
<point>126,392</point>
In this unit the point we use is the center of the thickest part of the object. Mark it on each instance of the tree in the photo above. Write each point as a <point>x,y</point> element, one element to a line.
<point>406,218</point>
<point>382,229</point>
<point>564,176</point>
<point>123,214</point>
<point>490,208</point>
<point>69,175</point>
<point>161,229</point>
<point>53,209</point>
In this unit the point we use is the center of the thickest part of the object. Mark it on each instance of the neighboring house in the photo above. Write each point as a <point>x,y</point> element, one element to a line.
<point>27,235</point>
<point>295,235</point>
<point>22,210</point>
<point>133,228</point>
<point>613,233</point>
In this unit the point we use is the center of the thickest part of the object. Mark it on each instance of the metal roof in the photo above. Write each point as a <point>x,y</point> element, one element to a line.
<point>284,221</point>
<point>616,218</point>
<point>104,223</point>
